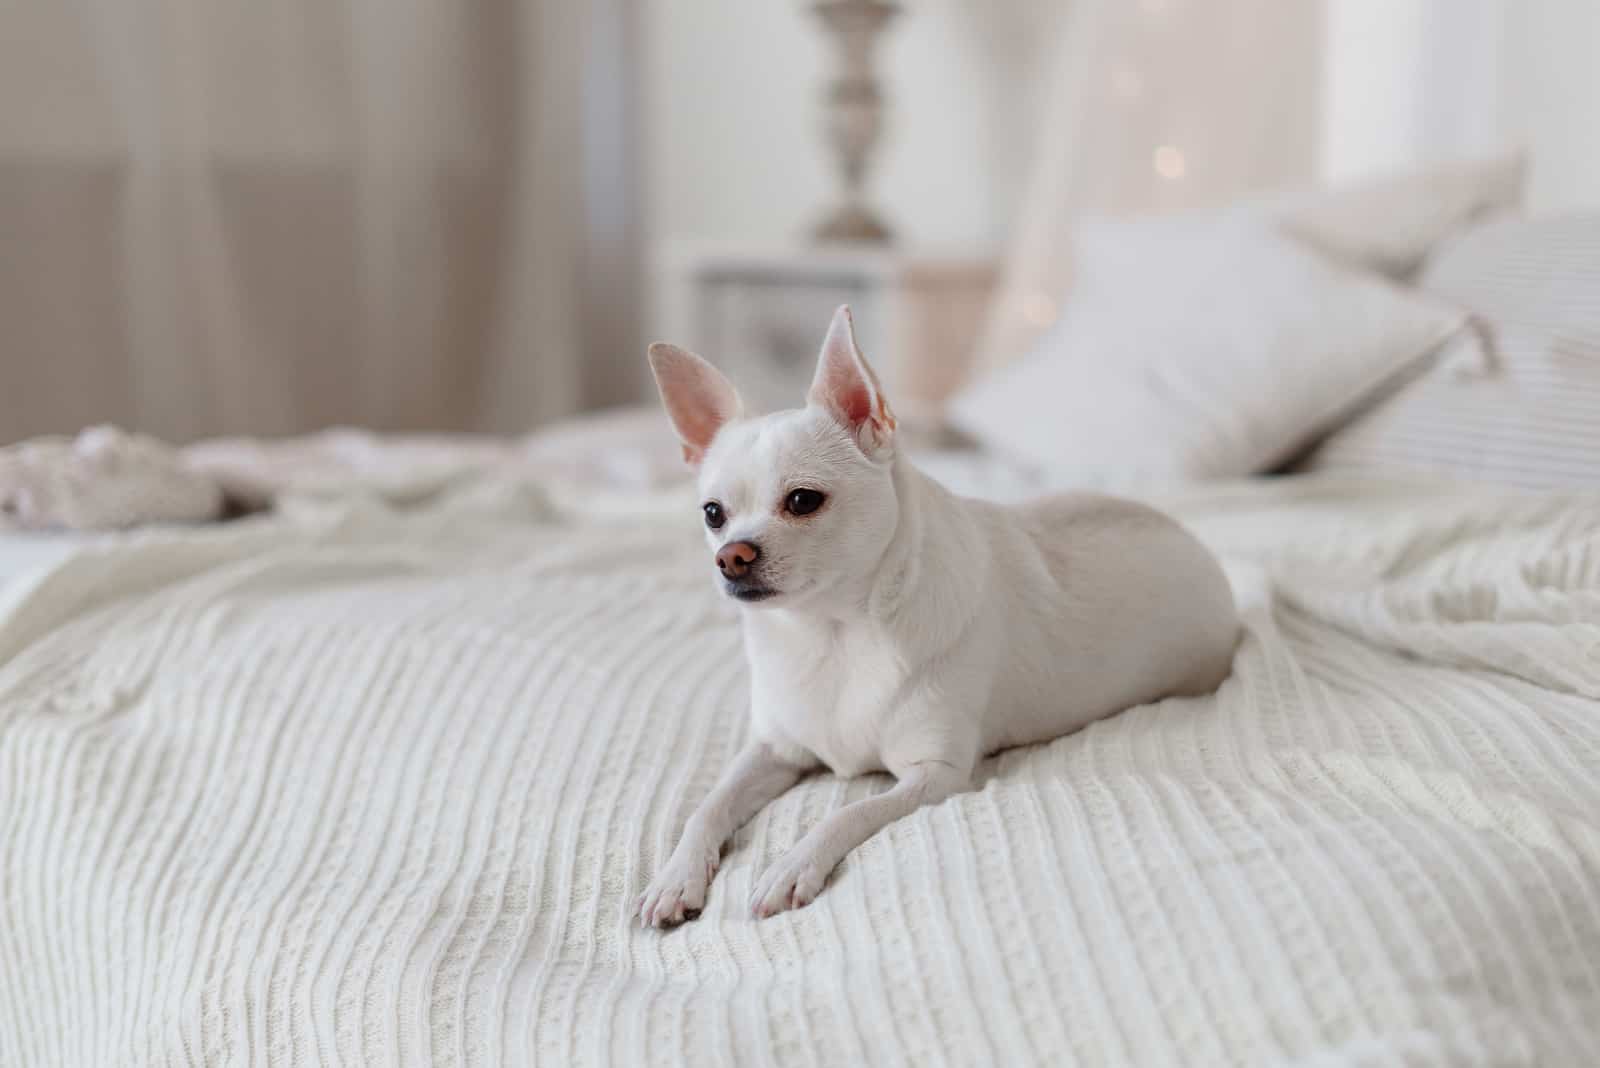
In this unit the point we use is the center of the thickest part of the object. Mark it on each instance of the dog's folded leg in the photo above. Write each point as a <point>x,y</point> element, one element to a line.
<point>797,877</point>
<point>678,892</point>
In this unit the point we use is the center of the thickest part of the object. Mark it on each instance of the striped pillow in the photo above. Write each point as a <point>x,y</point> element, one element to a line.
<point>1527,411</point>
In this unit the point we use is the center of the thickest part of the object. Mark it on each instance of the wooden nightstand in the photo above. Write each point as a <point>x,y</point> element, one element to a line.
<point>760,316</point>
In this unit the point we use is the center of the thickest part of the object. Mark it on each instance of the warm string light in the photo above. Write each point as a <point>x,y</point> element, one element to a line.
<point>1038,309</point>
<point>1168,161</point>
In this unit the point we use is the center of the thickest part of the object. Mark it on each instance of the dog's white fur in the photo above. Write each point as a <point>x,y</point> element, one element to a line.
<point>912,630</point>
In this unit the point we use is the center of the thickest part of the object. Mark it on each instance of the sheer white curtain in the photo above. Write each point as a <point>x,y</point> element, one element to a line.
<point>1160,105</point>
<point>269,217</point>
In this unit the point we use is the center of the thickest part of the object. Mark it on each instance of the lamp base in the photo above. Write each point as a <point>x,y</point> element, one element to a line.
<point>853,224</point>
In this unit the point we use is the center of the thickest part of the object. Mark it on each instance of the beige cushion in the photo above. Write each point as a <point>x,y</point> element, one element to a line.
<point>1390,224</point>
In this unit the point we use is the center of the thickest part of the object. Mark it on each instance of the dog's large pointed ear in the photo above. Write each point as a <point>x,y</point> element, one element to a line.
<point>846,387</point>
<point>698,399</point>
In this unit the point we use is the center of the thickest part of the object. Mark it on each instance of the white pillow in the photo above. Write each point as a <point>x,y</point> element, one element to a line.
<point>1197,348</point>
<point>1530,416</point>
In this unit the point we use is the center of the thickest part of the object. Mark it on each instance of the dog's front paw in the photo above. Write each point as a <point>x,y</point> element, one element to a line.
<point>678,892</point>
<point>792,883</point>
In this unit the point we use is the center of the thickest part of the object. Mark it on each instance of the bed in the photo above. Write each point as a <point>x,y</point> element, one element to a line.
<point>375,777</point>
<point>370,784</point>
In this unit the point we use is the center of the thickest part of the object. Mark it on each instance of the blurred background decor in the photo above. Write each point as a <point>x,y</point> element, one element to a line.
<point>454,216</point>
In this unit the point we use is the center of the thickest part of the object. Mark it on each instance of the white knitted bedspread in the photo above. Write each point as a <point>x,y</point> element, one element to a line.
<point>370,787</point>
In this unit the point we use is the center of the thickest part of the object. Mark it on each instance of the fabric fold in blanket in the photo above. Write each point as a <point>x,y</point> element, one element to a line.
<point>363,784</point>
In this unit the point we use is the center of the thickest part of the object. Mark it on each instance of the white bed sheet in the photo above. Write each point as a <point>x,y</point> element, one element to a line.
<point>22,555</point>
<point>360,785</point>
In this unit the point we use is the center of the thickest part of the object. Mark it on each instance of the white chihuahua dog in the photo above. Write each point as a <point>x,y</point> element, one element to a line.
<point>891,625</point>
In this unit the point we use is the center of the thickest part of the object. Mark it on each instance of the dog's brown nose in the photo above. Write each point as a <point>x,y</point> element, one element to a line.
<point>735,559</point>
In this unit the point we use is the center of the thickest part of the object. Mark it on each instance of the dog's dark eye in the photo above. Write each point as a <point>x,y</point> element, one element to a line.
<point>803,501</point>
<point>714,516</point>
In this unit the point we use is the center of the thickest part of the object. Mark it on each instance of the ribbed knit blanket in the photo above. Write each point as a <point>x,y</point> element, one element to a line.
<point>362,785</point>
